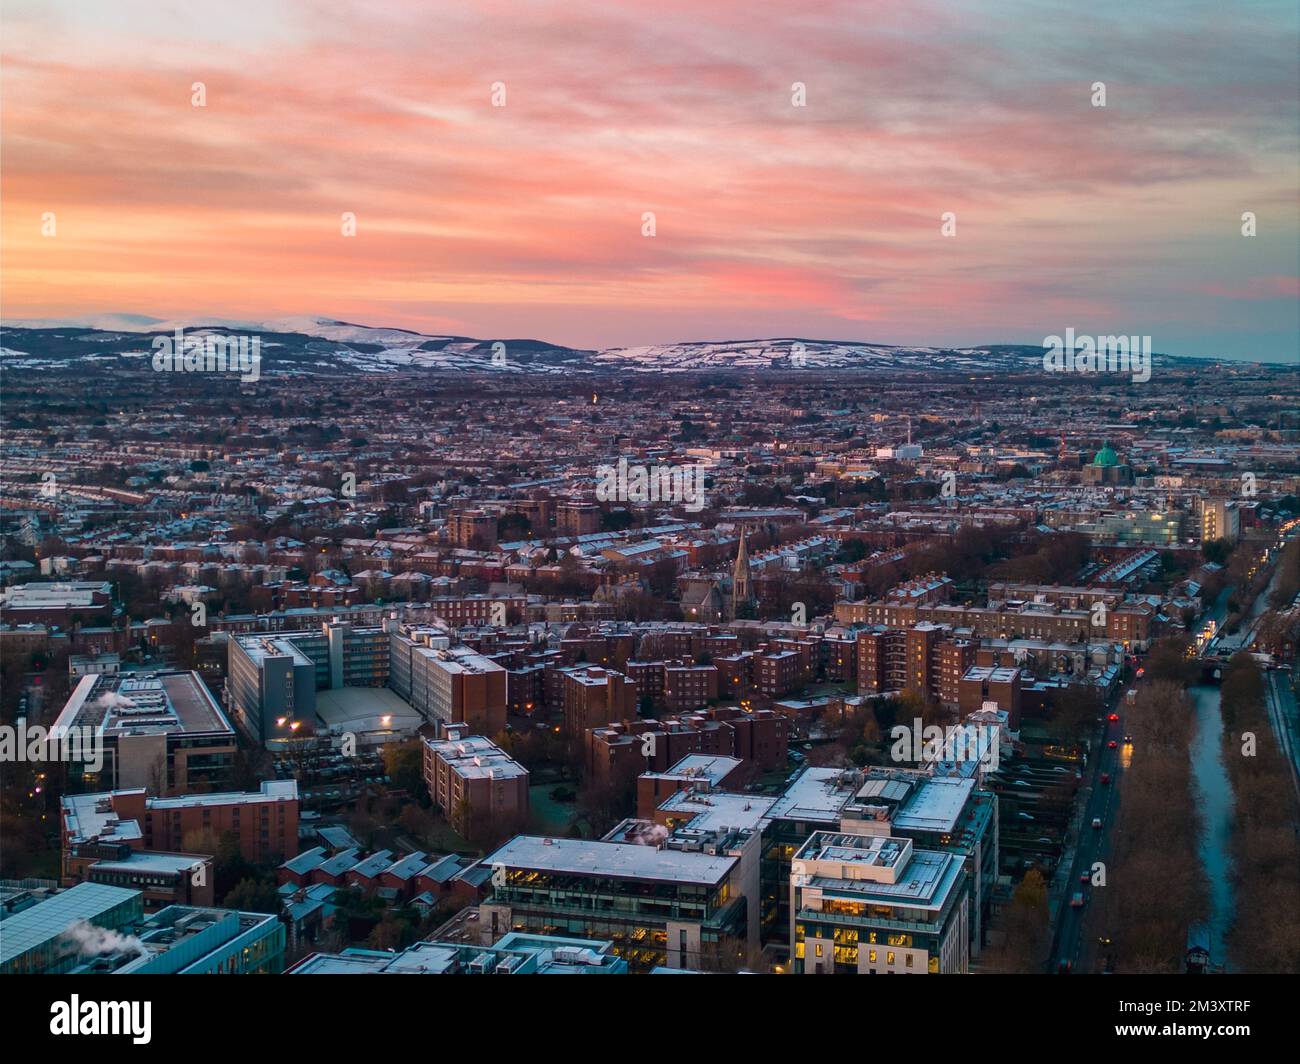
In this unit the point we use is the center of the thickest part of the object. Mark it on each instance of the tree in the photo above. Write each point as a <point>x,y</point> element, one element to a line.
<point>253,895</point>
<point>1216,550</point>
<point>1024,927</point>
<point>404,766</point>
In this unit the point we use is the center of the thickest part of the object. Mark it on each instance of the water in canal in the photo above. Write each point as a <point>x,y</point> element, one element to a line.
<point>1214,798</point>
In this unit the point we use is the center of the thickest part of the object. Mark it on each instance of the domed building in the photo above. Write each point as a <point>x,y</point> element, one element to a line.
<point>1106,468</point>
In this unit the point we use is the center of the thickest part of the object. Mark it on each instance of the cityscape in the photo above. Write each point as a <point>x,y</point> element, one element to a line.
<point>497,626</point>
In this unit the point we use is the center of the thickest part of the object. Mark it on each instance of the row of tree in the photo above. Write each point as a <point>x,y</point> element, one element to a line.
<point>1265,934</point>
<point>1154,883</point>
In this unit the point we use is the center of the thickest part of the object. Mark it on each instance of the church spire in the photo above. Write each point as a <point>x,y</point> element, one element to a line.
<point>742,588</point>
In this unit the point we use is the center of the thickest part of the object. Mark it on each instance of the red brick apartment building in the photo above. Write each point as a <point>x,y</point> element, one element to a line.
<point>924,660</point>
<point>1131,624</point>
<point>983,683</point>
<point>577,518</point>
<point>475,782</point>
<point>264,821</point>
<point>759,739</point>
<point>472,528</point>
<point>594,696</point>
<point>778,673</point>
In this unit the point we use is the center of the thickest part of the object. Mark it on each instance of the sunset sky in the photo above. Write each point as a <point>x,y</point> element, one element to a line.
<point>772,220</point>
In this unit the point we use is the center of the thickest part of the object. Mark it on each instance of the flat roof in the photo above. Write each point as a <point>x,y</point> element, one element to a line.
<point>617,859</point>
<point>936,804</point>
<point>924,882</point>
<point>270,791</point>
<point>136,704</point>
<point>475,757</point>
<point>151,861</point>
<point>816,795</point>
<point>90,816</point>
<point>30,927</point>
<point>714,768</point>
<point>715,810</point>
<point>362,709</point>
<point>258,646</point>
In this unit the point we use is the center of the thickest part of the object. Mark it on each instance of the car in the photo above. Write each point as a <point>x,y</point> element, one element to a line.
<point>1020,783</point>
<point>1024,816</point>
<point>1112,745</point>
<point>1113,717</point>
<point>1096,823</point>
<point>1064,967</point>
<point>1077,900</point>
<point>1128,739</point>
<point>1105,778</point>
<point>1085,878</point>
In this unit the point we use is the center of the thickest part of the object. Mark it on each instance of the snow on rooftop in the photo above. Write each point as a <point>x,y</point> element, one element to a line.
<point>616,859</point>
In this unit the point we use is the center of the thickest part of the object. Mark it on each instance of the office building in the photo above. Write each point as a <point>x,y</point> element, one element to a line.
<point>679,905</point>
<point>161,731</point>
<point>864,904</point>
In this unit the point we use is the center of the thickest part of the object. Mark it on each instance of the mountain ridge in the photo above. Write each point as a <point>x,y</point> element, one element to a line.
<point>325,345</point>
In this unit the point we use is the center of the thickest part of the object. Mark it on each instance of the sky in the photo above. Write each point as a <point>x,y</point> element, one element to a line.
<point>770,219</point>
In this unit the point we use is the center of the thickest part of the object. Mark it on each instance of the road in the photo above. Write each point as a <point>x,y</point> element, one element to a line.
<point>1092,846</point>
<point>1284,715</point>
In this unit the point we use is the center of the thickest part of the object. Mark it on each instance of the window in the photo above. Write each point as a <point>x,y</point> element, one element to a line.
<point>819,949</point>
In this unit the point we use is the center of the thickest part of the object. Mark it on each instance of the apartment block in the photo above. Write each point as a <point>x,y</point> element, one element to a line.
<point>264,821</point>
<point>475,782</point>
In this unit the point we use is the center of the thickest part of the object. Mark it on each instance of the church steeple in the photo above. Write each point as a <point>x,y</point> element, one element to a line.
<point>742,588</point>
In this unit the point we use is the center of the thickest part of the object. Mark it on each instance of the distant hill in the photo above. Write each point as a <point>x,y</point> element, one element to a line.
<point>323,346</point>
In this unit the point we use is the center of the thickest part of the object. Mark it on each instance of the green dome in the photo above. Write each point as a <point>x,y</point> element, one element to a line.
<point>1106,457</point>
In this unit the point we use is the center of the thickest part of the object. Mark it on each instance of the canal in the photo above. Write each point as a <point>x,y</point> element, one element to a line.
<point>1214,800</point>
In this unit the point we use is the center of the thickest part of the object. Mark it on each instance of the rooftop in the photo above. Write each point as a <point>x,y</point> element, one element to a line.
<point>157,703</point>
<point>48,919</point>
<point>819,794</point>
<point>614,859</point>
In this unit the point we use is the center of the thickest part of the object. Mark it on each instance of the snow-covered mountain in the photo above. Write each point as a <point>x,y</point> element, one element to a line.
<point>322,345</point>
